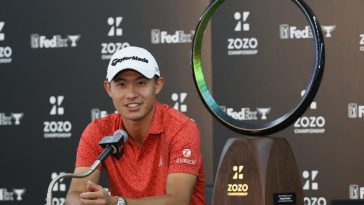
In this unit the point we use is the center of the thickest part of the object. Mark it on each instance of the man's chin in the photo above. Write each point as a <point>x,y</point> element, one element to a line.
<point>134,118</point>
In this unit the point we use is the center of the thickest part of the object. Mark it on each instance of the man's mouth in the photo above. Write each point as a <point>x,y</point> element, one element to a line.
<point>133,105</point>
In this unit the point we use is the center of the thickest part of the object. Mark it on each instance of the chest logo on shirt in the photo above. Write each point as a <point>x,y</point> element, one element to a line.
<point>186,152</point>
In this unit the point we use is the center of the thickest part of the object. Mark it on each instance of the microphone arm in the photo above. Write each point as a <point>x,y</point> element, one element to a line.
<point>112,144</point>
<point>69,175</point>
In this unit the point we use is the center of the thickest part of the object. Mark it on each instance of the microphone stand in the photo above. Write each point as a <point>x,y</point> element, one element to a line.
<point>103,155</point>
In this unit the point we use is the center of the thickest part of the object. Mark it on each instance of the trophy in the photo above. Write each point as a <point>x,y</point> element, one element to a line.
<point>257,169</point>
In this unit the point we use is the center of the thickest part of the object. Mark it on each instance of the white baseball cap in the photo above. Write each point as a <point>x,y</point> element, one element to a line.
<point>134,58</point>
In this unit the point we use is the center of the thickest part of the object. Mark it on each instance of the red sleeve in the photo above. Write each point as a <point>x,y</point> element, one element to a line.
<point>88,148</point>
<point>185,155</point>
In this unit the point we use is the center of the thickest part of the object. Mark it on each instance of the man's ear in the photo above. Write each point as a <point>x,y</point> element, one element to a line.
<point>107,87</point>
<point>159,83</point>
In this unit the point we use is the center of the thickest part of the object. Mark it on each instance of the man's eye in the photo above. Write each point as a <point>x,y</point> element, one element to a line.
<point>122,84</point>
<point>141,83</point>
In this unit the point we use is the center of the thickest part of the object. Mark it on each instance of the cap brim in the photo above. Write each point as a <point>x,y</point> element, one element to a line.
<point>140,70</point>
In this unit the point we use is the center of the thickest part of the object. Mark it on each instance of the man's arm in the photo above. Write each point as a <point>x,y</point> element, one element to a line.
<point>179,191</point>
<point>79,185</point>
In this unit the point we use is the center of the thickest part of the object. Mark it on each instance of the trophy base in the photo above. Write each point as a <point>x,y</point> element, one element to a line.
<point>257,171</point>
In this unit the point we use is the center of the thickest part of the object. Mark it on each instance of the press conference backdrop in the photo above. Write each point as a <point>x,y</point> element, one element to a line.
<point>258,57</point>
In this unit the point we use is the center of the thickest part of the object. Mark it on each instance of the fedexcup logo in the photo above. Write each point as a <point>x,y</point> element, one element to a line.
<point>356,192</point>
<point>55,41</point>
<point>96,113</point>
<point>292,32</point>
<point>328,30</point>
<point>247,114</point>
<point>263,112</point>
<point>163,37</point>
<point>11,194</point>
<point>12,119</point>
<point>355,110</point>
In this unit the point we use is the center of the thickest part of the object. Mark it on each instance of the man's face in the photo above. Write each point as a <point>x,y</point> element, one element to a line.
<point>134,95</point>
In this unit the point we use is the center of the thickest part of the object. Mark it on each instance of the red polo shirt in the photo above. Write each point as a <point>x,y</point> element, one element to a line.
<point>172,146</point>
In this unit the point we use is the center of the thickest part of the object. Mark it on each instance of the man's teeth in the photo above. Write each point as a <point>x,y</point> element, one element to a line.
<point>132,105</point>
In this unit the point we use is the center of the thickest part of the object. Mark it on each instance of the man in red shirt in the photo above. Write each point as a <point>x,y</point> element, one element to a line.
<point>161,164</point>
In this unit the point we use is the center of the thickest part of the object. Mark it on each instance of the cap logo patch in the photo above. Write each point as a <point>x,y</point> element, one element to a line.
<point>135,58</point>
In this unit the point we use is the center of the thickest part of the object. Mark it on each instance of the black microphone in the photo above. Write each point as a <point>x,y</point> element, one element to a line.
<point>113,145</point>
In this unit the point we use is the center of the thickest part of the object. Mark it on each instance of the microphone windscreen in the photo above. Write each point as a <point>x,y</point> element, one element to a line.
<point>122,134</point>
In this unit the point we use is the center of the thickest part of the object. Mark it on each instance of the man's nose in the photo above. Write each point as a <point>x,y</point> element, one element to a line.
<point>131,92</point>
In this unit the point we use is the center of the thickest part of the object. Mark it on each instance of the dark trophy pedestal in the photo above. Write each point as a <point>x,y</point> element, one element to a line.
<point>257,171</point>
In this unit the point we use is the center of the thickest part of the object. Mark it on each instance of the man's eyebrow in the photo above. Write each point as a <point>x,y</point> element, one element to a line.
<point>118,79</point>
<point>142,77</point>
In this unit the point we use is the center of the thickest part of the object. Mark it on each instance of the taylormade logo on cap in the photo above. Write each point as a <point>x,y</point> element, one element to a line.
<point>134,58</point>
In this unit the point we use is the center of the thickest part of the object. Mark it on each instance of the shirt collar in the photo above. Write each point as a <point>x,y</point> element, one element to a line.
<point>157,122</point>
<point>157,125</point>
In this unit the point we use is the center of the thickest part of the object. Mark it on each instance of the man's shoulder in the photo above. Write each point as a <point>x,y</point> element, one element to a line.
<point>174,119</point>
<point>107,119</point>
<point>171,114</point>
<point>106,124</point>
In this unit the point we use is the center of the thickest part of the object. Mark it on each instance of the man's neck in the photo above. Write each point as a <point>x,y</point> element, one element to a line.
<point>138,130</point>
